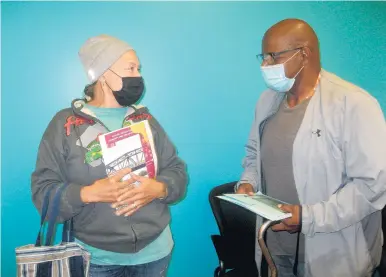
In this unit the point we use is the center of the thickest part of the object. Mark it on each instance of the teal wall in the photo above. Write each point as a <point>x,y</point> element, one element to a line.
<point>202,84</point>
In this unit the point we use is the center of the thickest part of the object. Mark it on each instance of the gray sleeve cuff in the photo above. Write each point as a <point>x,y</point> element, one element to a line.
<point>171,197</point>
<point>71,198</point>
<point>307,221</point>
<point>239,183</point>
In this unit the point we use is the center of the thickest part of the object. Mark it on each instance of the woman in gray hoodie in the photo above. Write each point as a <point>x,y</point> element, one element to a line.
<point>123,224</point>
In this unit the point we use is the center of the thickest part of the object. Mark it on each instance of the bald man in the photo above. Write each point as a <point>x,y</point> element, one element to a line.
<point>317,142</point>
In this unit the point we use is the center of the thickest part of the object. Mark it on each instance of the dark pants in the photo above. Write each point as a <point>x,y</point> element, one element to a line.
<point>154,269</point>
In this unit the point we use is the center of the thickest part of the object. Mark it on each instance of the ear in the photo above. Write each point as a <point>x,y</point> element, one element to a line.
<point>102,80</point>
<point>306,53</point>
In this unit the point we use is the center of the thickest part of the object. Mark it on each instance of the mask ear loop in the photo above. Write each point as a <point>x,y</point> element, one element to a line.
<point>108,86</point>
<point>298,72</point>
<point>106,80</point>
<point>292,56</point>
<point>299,69</point>
<point>115,73</point>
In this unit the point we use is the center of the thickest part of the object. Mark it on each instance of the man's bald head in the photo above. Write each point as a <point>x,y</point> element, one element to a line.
<point>290,34</point>
<point>294,43</point>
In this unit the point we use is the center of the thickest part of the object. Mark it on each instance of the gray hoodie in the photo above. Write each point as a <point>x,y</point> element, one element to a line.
<point>70,153</point>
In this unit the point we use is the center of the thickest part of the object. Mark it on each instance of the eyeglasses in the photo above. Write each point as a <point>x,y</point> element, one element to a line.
<point>273,56</point>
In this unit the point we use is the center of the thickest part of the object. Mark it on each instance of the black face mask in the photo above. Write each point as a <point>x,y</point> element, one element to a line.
<point>131,91</point>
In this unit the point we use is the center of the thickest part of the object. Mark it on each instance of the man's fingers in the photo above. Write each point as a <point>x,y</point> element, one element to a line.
<point>293,231</point>
<point>243,190</point>
<point>279,227</point>
<point>288,222</point>
<point>286,208</point>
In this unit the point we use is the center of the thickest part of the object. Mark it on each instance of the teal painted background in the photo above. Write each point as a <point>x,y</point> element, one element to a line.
<point>202,84</point>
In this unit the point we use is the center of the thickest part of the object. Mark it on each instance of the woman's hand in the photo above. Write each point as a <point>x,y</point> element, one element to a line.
<point>107,189</point>
<point>134,197</point>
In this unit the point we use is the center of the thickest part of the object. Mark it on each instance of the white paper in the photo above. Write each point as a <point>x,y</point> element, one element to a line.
<point>258,203</point>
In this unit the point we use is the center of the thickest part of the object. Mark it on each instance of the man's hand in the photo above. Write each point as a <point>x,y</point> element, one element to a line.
<point>292,224</point>
<point>245,189</point>
<point>135,197</point>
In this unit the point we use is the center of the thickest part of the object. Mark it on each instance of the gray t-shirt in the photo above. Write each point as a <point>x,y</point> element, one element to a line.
<point>276,154</point>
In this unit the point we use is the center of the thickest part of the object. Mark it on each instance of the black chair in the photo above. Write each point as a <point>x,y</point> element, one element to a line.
<point>235,246</point>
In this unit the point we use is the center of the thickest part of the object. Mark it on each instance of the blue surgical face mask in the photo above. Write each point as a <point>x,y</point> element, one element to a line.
<point>274,76</point>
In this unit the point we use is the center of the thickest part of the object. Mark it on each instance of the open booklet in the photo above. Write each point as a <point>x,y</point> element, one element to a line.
<point>258,203</point>
<point>132,147</point>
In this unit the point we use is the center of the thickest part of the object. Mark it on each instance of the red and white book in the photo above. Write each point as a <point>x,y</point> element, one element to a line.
<point>131,146</point>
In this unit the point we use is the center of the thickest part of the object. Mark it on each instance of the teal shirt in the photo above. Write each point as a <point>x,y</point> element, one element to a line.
<point>112,118</point>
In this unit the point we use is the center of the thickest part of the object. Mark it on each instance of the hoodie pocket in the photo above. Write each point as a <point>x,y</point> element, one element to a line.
<point>149,221</point>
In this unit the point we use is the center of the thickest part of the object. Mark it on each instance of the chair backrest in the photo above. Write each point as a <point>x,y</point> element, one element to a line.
<point>237,226</point>
<point>382,265</point>
<point>384,225</point>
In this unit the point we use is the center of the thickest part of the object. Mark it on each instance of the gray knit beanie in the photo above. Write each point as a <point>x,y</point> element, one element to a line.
<point>99,53</point>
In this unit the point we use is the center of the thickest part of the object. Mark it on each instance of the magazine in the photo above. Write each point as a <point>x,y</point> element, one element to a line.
<point>132,147</point>
<point>258,203</point>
